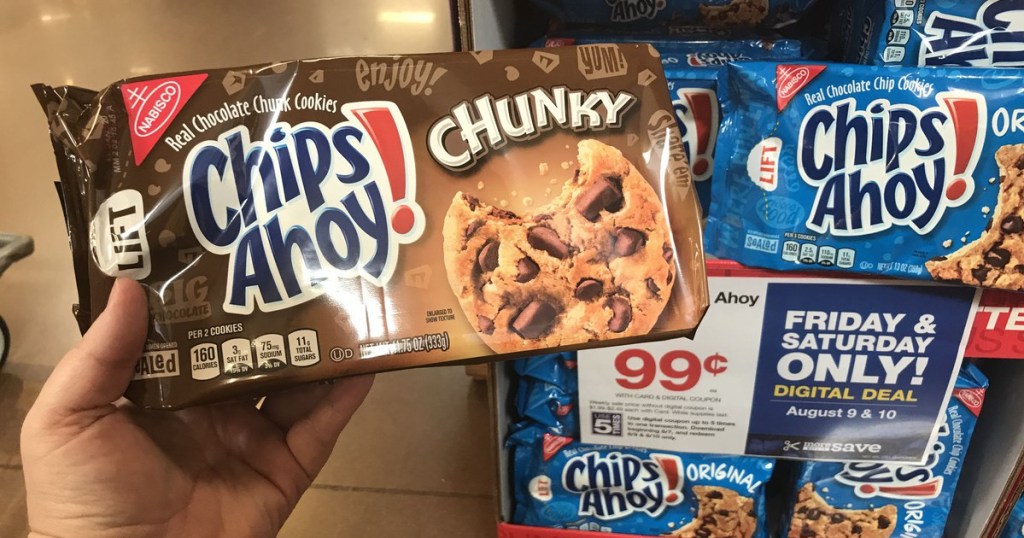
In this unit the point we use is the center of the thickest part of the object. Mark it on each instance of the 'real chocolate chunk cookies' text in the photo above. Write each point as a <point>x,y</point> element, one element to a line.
<point>293,222</point>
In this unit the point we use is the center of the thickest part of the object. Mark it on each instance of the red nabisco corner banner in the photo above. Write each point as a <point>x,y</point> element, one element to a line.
<point>971,398</point>
<point>790,79</point>
<point>152,105</point>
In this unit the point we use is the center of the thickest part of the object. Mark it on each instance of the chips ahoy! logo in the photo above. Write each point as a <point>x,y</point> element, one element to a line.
<point>306,205</point>
<point>904,482</point>
<point>890,165</point>
<point>698,117</point>
<point>634,10</point>
<point>994,36</point>
<point>616,485</point>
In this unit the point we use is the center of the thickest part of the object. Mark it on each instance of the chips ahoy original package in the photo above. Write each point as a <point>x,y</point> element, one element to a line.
<point>564,484</point>
<point>979,33</point>
<point>883,500</point>
<point>693,67</point>
<point>663,13</point>
<point>1014,527</point>
<point>902,172</point>
<point>561,483</point>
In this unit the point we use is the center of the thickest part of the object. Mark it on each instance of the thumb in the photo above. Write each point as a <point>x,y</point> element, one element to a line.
<point>96,372</point>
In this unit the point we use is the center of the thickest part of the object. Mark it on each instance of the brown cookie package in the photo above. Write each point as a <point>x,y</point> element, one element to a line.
<point>307,220</point>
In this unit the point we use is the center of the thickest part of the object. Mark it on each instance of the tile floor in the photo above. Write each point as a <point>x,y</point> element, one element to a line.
<point>416,460</point>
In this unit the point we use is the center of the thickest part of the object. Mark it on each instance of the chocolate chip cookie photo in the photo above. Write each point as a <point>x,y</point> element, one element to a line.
<point>721,513</point>
<point>996,258</point>
<point>594,264</point>
<point>815,518</point>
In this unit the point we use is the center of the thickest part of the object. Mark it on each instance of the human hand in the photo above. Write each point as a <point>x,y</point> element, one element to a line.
<point>96,465</point>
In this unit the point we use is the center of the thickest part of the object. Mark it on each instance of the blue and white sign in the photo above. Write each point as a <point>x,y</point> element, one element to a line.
<point>827,369</point>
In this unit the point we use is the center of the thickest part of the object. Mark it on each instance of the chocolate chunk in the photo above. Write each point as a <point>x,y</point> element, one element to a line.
<point>471,201</point>
<point>801,510</point>
<point>1012,225</point>
<point>980,274</point>
<point>473,227</point>
<point>654,289</point>
<point>628,241</point>
<point>528,270</point>
<point>708,520</point>
<point>938,259</point>
<point>666,252</point>
<point>751,513</point>
<point>883,522</point>
<point>535,320</point>
<point>488,257</point>
<point>988,225</point>
<point>1019,269</point>
<point>600,196</point>
<point>589,289</point>
<point>486,325</point>
<point>622,316</point>
<point>546,239</point>
<point>837,518</point>
<point>702,533</point>
<point>998,257</point>
<point>722,512</point>
<point>857,529</point>
<point>715,494</point>
<point>1020,163</point>
<point>813,514</point>
<point>807,532</point>
<point>502,214</point>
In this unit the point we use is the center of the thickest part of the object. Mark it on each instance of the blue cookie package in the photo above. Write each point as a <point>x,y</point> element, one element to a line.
<point>978,33</point>
<point>894,171</point>
<point>665,13</point>
<point>558,369</point>
<point>549,405</point>
<point>693,67</point>
<point>1014,527</point>
<point>562,483</point>
<point>884,499</point>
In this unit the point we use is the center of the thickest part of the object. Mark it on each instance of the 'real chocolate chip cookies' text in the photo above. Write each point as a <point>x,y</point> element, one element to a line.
<point>307,220</point>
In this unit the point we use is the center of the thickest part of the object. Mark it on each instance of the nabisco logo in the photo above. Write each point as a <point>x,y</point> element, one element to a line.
<point>156,108</point>
<point>791,82</point>
<point>152,105</point>
<point>790,79</point>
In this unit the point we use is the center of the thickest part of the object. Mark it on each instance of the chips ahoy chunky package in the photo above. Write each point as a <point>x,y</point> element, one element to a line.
<point>693,66</point>
<point>883,500</point>
<point>979,33</point>
<point>561,483</point>
<point>903,172</point>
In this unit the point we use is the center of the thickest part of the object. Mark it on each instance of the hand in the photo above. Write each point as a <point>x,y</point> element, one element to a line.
<point>94,468</point>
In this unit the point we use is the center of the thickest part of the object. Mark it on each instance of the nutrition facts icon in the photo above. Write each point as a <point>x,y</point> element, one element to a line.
<point>270,353</point>
<point>845,258</point>
<point>791,251</point>
<point>808,254</point>
<point>827,257</point>
<point>303,347</point>
<point>205,359</point>
<point>237,354</point>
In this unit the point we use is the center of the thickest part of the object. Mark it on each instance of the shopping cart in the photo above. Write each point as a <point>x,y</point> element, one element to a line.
<point>12,248</point>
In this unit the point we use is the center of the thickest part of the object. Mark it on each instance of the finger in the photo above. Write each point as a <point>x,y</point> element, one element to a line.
<point>312,438</point>
<point>97,371</point>
<point>285,408</point>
